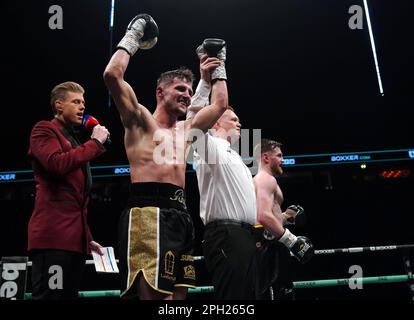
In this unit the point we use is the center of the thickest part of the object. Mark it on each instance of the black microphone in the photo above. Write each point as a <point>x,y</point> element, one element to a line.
<point>90,122</point>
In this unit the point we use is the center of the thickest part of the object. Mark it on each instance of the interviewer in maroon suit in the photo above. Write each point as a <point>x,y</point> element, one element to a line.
<point>58,234</point>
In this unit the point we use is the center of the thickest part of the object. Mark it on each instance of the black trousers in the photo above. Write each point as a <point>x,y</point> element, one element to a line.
<point>274,274</point>
<point>229,251</point>
<point>56,274</point>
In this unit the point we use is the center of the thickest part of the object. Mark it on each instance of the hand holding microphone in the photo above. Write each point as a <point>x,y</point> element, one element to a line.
<point>99,132</point>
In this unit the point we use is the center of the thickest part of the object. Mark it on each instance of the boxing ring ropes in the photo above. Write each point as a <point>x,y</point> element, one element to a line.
<point>408,277</point>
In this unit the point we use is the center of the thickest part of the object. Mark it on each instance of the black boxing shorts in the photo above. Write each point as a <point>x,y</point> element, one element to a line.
<point>156,237</point>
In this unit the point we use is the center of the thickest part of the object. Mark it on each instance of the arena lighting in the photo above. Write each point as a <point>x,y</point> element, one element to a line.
<point>111,36</point>
<point>111,16</point>
<point>374,52</point>
<point>394,174</point>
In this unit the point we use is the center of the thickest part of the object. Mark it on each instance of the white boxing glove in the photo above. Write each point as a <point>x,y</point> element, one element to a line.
<point>142,32</point>
<point>215,48</point>
<point>301,247</point>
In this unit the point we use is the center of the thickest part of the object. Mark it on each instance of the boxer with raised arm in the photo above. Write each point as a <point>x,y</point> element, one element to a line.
<point>156,232</point>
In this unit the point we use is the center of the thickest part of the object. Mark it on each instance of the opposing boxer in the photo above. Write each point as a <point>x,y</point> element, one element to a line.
<point>155,231</point>
<point>269,199</point>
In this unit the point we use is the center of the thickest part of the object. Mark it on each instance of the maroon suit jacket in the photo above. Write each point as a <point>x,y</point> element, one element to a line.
<point>61,169</point>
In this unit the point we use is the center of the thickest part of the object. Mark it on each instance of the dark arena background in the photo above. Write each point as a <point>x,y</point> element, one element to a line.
<point>304,72</point>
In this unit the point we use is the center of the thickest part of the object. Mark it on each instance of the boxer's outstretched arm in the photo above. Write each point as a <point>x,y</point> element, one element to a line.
<point>215,49</point>
<point>141,33</point>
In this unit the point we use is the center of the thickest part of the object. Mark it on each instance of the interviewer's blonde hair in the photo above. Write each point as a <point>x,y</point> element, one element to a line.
<point>59,92</point>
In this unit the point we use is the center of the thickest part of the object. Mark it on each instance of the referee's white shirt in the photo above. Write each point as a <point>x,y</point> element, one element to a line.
<point>225,183</point>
